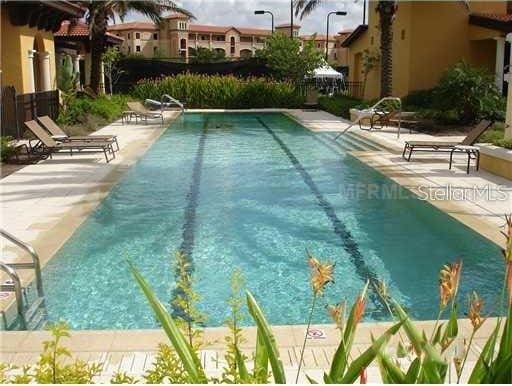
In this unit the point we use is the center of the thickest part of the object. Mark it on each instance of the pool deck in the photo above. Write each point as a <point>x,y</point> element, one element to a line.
<point>43,204</point>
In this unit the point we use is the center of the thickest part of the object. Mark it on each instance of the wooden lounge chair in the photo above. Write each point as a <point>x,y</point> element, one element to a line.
<point>50,146</point>
<point>143,113</point>
<point>59,135</point>
<point>445,146</point>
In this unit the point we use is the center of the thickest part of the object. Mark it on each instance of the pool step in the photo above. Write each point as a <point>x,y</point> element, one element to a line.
<point>369,144</point>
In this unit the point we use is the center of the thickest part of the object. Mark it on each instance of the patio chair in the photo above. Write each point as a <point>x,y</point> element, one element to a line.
<point>143,113</point>
<point>380,114</point>
<point>59,135</point>
<point>465,145</point>
<point>50,146</point>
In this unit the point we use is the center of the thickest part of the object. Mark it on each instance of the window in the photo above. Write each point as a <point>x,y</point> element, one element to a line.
<point>137,35</point>
<point>129,36</point>
<point>295,33</point>
<point>232,40</point>
<point>402,34</point>
<point>335,56</point>
<point>232,50</point>
<point>182,25</point>
<point>155,49</point>
<point>137,48</point>
<point>129,49</point>
<point>155,36</point>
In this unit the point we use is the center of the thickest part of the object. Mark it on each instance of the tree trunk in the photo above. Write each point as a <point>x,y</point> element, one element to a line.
<point>97,50</point>
<point>386,12</point>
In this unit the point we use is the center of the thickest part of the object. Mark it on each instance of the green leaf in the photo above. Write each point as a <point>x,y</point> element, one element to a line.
<point>311,380</point>
<point>393,372</point>
<point>261,358</point>
<point>268,339</point>
<point>327,379</point>
<point>413,372</point>
<point>400,350</point>
<point>452,328</point>
<point>188,357</point>
<point>242,368</point>
<point>368,356</point>
<point>437,336</point>
<point>480,371</point>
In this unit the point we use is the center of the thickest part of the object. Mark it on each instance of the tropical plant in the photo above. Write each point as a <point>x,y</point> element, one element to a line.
<point>470,92</point>
<point>100,13</point>
<point>206,55</point>
<point>113,71</point>
<point>228,92</point>
<point>7,149</point>
<point>386,10</point>
<point>67,78</point>
<point>369,62</point>
<point>286,59</point>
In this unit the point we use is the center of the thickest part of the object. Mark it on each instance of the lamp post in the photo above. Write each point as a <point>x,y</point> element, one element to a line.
<point>339,13</point>
<point>262,12</point>
<point>291,19</point>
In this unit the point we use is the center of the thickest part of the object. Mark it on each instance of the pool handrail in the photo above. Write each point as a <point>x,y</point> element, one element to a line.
<point>16,288</point>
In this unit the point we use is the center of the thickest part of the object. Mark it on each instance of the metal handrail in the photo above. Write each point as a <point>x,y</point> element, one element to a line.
<point>36,264</point>
<point>17,292</point>
<point>171,99</point>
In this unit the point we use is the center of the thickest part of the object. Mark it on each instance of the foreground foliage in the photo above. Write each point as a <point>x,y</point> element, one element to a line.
<point>419,358</point>
<point>227,92</point>
<point>80,109</point>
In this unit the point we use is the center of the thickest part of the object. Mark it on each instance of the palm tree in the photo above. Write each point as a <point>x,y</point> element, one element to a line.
<point>386,10</point>
<point>101,12</point>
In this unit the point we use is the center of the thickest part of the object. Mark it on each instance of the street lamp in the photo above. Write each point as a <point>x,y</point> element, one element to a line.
<point>339,13</point>
<point>262,12</point>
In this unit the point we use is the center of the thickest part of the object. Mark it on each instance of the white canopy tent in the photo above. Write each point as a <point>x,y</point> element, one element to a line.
<point>326,72</point>
<point>326,79</point>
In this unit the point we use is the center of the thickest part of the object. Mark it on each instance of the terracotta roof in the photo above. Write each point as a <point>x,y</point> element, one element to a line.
<point>317,37</point>
<point>345,32</point>
<point>354,35</point>
<point>287,25</point>
<point>496,21</point>
<point>137,25</point>
<point>176,15</point>
<point>224,29</point>
<point>79,29</point>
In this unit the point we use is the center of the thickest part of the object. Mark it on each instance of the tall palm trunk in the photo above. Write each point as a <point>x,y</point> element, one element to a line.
<point>97,50</point>
<point>386,9</point>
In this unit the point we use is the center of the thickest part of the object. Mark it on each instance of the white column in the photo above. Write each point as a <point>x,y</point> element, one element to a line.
<point>102,78</point>
<point>31,80</point>
<point>508,117</point>
<point>76,69</point>
<point>500,60</point>
<point>44,60</point>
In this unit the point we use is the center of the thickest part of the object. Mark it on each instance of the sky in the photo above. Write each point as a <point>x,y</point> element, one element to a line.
<point>241,13</point>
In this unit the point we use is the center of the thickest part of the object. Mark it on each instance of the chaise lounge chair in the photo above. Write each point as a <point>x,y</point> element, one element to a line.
<point>50,145</point>
<point>59,135</point>
<point>143,113</point>
<point>466,146</point>
<point>380,114</point>
<point>446,147</point>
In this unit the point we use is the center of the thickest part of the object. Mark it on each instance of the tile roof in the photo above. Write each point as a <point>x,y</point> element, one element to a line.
<point>495,21</point>
<point>133,25</point>
<point>176,15</point>
<point>354,35</point>
<point>224,29</point>
<point>284,25</point>
<point>79,29</point>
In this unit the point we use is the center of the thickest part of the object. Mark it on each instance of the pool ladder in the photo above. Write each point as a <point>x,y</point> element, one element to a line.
<point>29,316</point>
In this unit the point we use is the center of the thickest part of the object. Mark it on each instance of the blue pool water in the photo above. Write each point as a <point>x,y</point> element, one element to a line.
<point>253,191</point>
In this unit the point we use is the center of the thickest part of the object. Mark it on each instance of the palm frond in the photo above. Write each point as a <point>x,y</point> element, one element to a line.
<point>305,7</point>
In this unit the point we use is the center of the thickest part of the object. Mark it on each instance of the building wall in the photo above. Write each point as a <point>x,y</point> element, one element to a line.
<point>15,45</point>
<point>428,38</point>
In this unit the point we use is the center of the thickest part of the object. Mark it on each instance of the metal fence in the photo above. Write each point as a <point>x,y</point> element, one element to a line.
<point>19,108</point>
<point>353,89</point>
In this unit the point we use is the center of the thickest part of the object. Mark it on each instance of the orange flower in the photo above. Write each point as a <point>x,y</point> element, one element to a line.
<point>360,305</point>
<point>449,278</point>
<point>321,274</point>
<point>337,314</point>
<point>475,310</point>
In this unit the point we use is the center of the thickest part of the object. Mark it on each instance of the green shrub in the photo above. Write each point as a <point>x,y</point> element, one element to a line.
<point>203,91</point>
<point>6,150</point>
<point>496,137</point>
<point>80,108</point>
<point>470,92</point>
<point>340,105</point>
<point>420,99</point>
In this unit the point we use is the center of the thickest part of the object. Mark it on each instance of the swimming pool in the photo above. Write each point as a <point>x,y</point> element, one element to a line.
<point>253,191</point>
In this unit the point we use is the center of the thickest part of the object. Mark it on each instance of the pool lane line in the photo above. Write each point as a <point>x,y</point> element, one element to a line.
<point>192,197</point>
<point>340,229</point>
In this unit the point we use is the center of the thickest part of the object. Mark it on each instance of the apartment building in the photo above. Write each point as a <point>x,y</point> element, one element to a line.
<point>336,52</point>
<point>176,37</point>
<point>431,36</point>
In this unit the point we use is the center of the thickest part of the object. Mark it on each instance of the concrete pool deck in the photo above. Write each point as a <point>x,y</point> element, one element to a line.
<point>43,204</point>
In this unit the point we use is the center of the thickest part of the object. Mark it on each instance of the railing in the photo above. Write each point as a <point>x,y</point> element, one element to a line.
<point>35,264</point>
<point>16,288</point>
<point>19,108</point>
<point>353,89</point>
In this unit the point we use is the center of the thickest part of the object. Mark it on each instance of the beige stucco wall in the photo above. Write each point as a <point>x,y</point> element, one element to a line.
<point>428,38</point>
<point>15,44</point>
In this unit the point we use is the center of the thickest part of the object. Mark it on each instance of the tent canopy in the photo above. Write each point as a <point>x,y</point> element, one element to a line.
<point>326,71</point>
